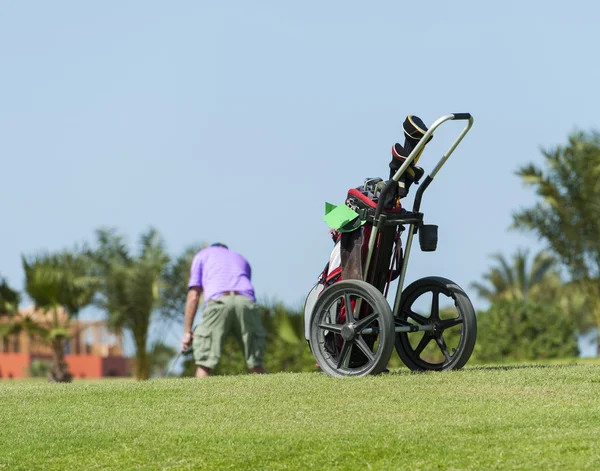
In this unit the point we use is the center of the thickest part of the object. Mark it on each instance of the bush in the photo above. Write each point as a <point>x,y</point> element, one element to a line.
<point>39,368</point>
<point>519,331</point>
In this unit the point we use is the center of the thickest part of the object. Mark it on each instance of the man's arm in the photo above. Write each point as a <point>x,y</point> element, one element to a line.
<point>191,306</point>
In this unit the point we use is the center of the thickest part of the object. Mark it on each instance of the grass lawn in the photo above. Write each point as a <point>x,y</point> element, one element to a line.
<point>491,417</point>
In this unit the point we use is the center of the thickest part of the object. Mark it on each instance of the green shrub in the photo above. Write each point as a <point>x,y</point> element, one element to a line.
<point>513,330</point>
<point>39,368</point>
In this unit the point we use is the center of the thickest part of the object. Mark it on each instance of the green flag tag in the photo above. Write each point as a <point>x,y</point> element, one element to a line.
<point>337,217</point>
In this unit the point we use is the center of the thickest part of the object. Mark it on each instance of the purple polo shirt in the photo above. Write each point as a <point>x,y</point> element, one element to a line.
<point>217,270</point>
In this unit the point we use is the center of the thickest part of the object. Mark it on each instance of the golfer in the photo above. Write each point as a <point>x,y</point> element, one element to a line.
<point>223,276</point>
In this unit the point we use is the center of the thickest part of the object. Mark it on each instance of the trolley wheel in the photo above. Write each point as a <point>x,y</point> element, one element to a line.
<point>352,342</point>
<point>450,341</point>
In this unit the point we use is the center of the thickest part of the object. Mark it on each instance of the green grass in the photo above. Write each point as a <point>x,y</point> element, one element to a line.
<point>495,417</point>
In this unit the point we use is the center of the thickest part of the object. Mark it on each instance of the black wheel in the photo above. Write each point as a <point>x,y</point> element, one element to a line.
<point>451,331</point>
<point>356,341</point>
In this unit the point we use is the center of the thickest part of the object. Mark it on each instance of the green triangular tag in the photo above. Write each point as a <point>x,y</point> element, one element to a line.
<point>329,207</point>
<point>338,216</point>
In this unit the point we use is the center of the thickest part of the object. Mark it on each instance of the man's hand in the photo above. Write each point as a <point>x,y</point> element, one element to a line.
<point>186,341</point>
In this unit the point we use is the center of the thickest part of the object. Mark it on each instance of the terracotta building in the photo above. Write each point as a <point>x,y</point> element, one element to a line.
<point>90,352</point>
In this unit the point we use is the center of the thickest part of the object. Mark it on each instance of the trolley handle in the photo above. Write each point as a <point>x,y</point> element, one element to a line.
<point>416,205</point>
<point>462,116</point>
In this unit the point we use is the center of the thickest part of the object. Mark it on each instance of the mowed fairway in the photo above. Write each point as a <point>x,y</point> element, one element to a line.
<point>514,417</point>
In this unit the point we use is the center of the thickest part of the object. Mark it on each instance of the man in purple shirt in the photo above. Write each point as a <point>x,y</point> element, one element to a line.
<point>224,277</point>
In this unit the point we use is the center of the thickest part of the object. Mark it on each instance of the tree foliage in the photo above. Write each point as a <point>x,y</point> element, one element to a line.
<point>9,298</point>
<point>60,279</point>
<point>174,283</point>
<point>524,331</point>
<point>520,281</point>
<point>567,214</point>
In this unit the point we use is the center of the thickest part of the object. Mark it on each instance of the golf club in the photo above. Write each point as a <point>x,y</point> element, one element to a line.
<point>173,364</point>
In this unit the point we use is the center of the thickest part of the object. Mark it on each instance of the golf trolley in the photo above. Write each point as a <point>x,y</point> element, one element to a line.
<point>349,325</point>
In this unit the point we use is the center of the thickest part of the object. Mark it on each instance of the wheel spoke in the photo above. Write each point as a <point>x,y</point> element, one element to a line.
<point>446,324</point>
<point>349,312</point>
<point>435,305</point>
<point>345,351</point>
<point>443,347</point>
<point>401,322</point>
<point>360,342</point>
<point>417,317</point>
<point>422,344</point>
<point>337,328</point>
<point>361,324</point>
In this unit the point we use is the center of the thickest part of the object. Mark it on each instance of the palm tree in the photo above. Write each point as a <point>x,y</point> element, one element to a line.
<point>517,281</point>
<point>130,287</point>
<point>567,215</point>
<point>60,286</point>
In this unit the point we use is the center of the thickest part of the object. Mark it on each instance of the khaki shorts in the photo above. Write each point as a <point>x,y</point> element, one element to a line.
<point>232,314</point>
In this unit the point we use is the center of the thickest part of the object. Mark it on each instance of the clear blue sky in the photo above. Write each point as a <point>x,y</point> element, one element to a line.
<point>235,121</point>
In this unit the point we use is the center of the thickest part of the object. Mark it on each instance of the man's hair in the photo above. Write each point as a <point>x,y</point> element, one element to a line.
<point>219,244</point>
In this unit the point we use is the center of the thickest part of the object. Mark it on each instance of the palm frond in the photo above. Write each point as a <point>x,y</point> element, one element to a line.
<point>9,298</point>
<point>505,270</point>
<point>530,174</point>
<point>520,286</point>
<point>483,291</point>
<point>543,263</point>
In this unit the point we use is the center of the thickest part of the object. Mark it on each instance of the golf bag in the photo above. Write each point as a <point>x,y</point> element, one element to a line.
<point>348,257</point>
